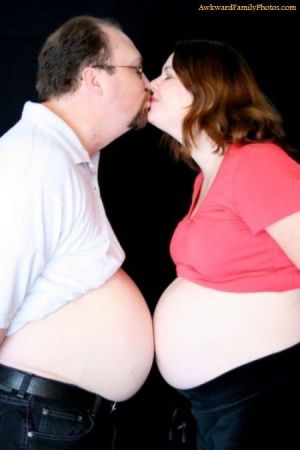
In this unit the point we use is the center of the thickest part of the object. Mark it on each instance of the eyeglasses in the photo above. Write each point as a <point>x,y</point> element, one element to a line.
<point>138,69</point>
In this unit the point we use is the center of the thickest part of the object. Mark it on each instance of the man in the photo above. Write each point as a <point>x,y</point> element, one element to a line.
<point>74,327</point>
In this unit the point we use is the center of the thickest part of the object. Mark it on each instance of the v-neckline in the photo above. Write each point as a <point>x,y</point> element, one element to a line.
<point>196,206</point>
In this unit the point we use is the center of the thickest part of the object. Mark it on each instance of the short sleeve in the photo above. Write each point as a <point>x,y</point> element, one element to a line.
<point>266,186</point>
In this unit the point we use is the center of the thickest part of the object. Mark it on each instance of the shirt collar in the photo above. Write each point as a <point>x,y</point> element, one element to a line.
<point>44,118</point>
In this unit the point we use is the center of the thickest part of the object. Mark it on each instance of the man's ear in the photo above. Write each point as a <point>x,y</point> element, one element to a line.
<point>91,78</point>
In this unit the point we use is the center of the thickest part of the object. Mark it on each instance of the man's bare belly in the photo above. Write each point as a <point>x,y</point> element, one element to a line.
<point>102,341</point>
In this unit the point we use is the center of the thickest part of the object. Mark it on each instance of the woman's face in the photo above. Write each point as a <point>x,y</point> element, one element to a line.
<point>170,101</point>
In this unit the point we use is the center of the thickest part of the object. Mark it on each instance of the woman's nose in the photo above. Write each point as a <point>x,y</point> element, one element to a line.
<point>154,84</point>
<point>146,82</point>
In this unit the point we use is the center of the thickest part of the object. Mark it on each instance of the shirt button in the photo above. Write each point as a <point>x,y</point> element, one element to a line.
<point>30,434</point>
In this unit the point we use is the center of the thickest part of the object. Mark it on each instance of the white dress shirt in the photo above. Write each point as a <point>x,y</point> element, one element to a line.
<point>55,240</point>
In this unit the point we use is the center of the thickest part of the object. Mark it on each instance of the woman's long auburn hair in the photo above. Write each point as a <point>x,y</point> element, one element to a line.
<point>228,103</point>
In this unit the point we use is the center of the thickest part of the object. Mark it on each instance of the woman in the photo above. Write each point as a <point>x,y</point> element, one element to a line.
<point>227,329</point>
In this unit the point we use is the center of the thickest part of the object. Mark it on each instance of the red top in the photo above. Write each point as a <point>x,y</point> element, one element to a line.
<point>224,245</point>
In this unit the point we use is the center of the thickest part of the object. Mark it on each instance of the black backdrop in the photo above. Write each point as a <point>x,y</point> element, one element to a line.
<point>144,191</point>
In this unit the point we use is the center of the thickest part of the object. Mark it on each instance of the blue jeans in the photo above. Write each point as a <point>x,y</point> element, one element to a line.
<point>253,407</point>
<point>36,423</point>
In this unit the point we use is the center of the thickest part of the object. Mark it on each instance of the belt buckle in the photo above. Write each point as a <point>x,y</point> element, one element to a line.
<point>5,388</point>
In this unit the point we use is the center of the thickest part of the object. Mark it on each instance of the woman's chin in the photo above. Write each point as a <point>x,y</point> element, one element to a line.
<point>155,121</point>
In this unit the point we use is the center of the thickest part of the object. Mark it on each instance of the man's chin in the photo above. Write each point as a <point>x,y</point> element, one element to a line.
<point>140,120</point>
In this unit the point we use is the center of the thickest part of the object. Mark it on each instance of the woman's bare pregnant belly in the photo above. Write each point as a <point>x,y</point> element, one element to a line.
<point>201,333</point>
<point>102,341</point>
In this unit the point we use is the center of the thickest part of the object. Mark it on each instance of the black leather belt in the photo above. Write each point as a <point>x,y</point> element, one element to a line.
<point>22,383</point>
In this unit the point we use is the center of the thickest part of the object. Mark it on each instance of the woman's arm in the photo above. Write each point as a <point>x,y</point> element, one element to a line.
<point>286,233</point>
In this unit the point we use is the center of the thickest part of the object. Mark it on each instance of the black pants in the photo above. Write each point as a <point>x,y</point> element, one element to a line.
<point>253,407</point>
<point>60,417</point>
